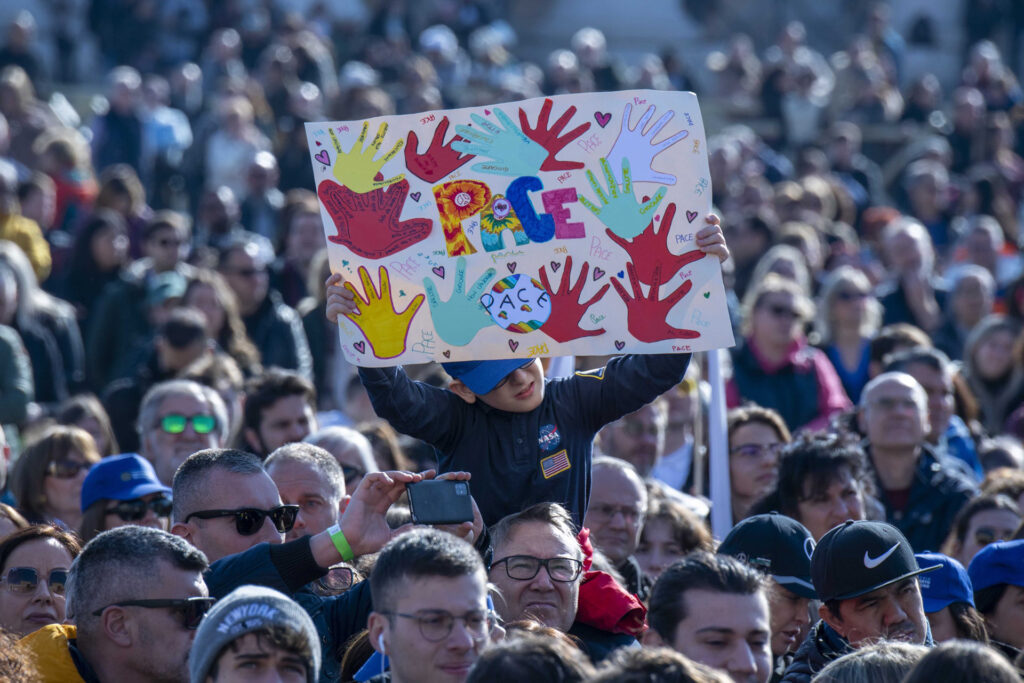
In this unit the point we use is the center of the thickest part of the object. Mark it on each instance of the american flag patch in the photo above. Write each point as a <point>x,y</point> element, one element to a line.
<point>555,464</point>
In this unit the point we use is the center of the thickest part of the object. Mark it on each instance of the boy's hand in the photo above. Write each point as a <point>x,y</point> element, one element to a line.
<point>340,299</point>
<point>711,241</point>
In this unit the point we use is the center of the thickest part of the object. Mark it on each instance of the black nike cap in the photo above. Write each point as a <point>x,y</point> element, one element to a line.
<point>855,558</point>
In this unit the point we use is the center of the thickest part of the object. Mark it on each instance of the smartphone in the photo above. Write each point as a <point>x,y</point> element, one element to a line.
<point>440,501</point>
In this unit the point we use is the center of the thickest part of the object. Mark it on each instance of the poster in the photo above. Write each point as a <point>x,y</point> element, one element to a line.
<point>552,226</point>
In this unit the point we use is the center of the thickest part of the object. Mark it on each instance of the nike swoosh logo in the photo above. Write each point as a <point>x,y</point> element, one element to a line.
<point>872,562</point>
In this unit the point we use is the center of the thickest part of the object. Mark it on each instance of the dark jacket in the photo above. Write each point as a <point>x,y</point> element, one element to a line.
<point>637,583</point>
<point>821,646</point>
<point>598,644</point>
<point>16,388</point>
<point>289,568</point>
<point>123,398</point>
<point>276,330</point>
<point>895,308</point>
<point>937,494</point>
<point>523,458</point>
<point>54,345</point>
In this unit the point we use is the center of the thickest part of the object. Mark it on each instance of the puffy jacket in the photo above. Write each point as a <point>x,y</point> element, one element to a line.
<point>49,648</point>
<point>821,646</point>
<point>936,496</point>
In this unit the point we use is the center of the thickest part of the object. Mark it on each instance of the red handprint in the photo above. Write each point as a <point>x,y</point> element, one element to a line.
<point>548,138</point>
<point>645,317</point>
<point>648,251</point>
<point>563,324</point>
<point>370,223</point>
<point>439,160</point>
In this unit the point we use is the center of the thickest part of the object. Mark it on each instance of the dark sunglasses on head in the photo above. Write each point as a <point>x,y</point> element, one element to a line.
<point>248,521</point>
<point>190,609</point>
<point>24,580</point>
<point>779,311</point>
<point>66,469</point>
<point>134,510</point>
<point>175,424</point>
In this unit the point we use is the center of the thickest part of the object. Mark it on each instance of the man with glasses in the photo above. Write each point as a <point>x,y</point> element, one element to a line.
<point>135,596</point>
<point>618,503</point>
<point>921,493</point>
<point>638,438</point>
<point>309,477</point>
<point>273,326</point>
<point>176,419</point>
<point>280,408</point>
<point>430,615</point>
<point>537,565</point>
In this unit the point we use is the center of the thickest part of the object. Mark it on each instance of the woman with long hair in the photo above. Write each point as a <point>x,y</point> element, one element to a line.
<point>848,318</point>
<point>47,478</point>
<point>211,295</point>
<point>98,257</point>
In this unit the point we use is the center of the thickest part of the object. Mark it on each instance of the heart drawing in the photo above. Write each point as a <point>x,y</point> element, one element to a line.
<point>511,266</point>
<point>707,295</point>
<point>513,344</point>
<point>602,118</point>
<point>555,265</point>
<point>439,271</point>
<point>360,346</point>
<point>323,157</point>
<point>598,274</point>
<point>619,345</point>
<point>415,196</point>
<point>447,354</point>
<point>690,215</point>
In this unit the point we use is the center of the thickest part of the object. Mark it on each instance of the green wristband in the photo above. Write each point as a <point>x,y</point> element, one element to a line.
<point>341,543</point>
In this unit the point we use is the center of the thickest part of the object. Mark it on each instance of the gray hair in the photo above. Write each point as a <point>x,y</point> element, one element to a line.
<point>119,565</point>
<point>957,274</point>
<point>826,300</point>
<point>552,514</point>
<point>918,232</point>
<point>154,398</point>
<point>337,440</point>
<point>883,662</point>
<point>920,396</point>
<point>323,463</point>
<point>188,485</point>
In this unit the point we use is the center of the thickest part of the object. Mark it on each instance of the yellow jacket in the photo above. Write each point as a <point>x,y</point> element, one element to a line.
<point>26,234</point>
<point>49,648</point>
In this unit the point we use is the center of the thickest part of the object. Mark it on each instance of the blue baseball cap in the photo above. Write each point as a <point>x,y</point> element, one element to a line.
<point>944,586</point>
<point>481,376</point>
<point>998,563</point>
<point>120,477</point>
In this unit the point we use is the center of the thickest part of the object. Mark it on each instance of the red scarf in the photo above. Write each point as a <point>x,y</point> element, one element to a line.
<point>603,603</point>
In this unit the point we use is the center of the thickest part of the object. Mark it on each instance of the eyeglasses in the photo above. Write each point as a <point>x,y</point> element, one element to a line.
<point>248,521</point>
<point>851,296</point>
<point>351,473</point>
<point>756,450</point>
<point>175,424</point>
<point>507,377</point>
<point>780,311</point>
<point>191,610</point>
<point>337,580</point>
<point>607,512</point>
<point>134,510</point>
<point>24,580</point>
<point>67,469</point>
<point>525,567</point>
<point>436,625</point>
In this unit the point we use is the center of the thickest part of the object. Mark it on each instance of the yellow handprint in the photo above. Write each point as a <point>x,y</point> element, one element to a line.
<point>385,328</point>
<point>357,169</point>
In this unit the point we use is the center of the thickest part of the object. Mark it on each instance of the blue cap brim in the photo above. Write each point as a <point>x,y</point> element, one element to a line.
<point>143,488</point>
<point>936,604</point>
<point>482,376</point>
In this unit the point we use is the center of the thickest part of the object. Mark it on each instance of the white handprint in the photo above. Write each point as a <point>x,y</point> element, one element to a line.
<point>637,145</point>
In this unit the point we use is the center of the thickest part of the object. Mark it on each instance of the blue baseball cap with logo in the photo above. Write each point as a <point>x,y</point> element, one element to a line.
<point>481,376</point>
<point>998,563</point>
<point>944,586</point>
<point>120,477</point>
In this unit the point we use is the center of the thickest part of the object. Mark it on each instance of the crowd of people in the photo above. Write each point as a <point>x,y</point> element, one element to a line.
<point>197,487</point>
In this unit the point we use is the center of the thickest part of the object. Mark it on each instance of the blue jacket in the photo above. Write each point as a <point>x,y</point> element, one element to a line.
<point>518,459</point>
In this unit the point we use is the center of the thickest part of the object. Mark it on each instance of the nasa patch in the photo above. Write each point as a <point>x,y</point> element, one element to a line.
<point>549,438</point>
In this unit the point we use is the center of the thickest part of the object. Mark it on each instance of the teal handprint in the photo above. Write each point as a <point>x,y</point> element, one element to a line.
<point>511,152</point>
<point>459,319</point>
<point>623,215</point>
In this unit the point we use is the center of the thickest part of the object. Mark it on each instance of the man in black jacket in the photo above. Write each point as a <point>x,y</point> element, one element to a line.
<point>865,574</point>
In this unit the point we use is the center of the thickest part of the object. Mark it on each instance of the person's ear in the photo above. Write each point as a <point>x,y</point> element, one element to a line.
<point>183,530</point>
<point>832,620</point>
<point>378,630</point>
<point>458,388</point>
<point>117,626</point>
<point>651,638</point>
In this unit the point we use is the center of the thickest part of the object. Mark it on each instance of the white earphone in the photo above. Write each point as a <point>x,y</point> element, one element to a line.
<point>380,643</point>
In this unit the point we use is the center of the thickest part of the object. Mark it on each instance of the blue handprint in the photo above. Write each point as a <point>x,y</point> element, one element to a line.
<point>623,215</point>
<point>510,150</point>
<point>459,319</point>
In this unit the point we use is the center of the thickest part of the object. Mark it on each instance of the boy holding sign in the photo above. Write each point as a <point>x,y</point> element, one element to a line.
<point>524,439</point>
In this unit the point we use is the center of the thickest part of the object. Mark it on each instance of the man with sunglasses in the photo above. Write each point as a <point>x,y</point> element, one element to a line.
<point>537,567</point>
<point>430,616</point>
<point>135,596</point>
<point>227,506</point>
<point>176,419</point>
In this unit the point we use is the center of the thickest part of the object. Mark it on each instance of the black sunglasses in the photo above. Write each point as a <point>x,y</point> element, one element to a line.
<point>134,510</point>
<point>248,521</point>
<point>191,610</point>
<point>23,580</point>
<point>67,469</point>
